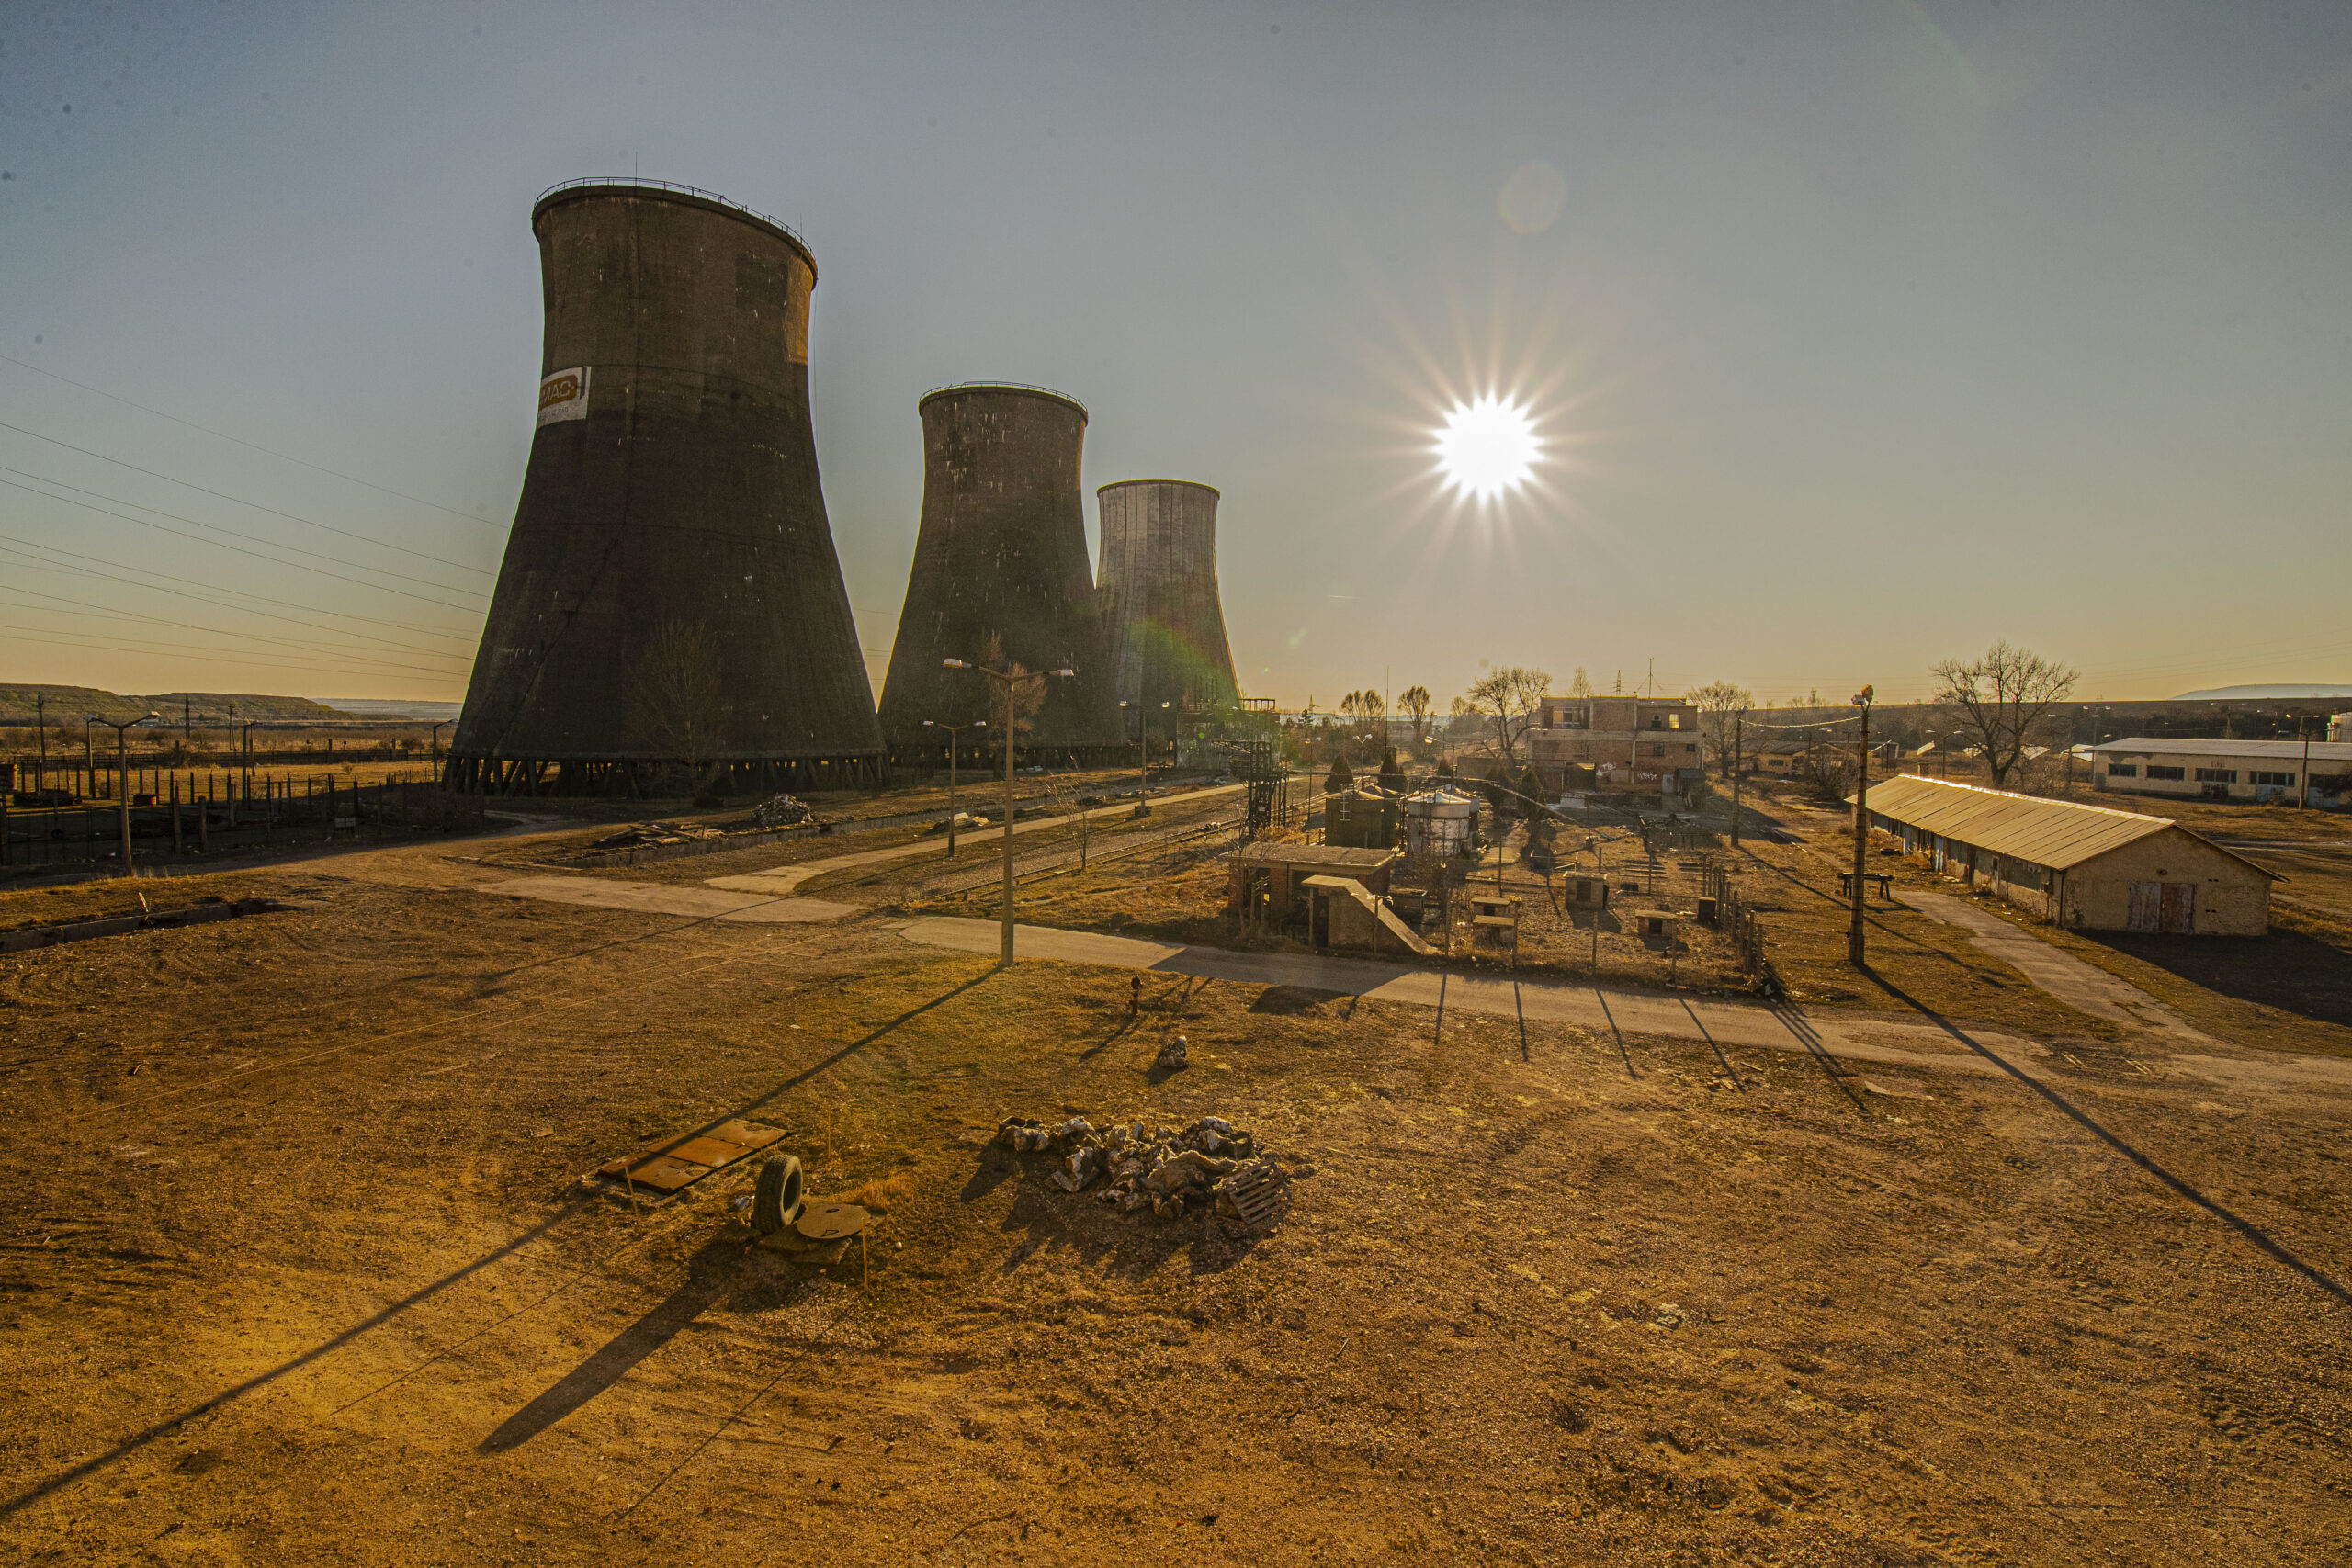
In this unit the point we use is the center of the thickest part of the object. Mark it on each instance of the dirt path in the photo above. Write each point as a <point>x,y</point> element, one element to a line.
<point>2078,985</point>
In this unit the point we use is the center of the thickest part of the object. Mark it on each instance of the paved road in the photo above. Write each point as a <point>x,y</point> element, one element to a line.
<point>1896,1039</point>
<point>1891,1040</point>
<point>2085,987</point>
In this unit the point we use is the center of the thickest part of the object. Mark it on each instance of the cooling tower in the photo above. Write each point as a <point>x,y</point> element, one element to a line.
<point>1158,589</point>
<point>670,595</point>
<point>1001,552</point>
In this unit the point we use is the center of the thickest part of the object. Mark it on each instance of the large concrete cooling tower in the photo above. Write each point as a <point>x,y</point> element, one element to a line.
<point>670,598</point>
<point>1158,589</point>
<point>1002,552</point>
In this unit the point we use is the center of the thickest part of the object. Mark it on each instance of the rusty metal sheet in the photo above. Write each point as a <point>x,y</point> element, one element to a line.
<point>666,1175</point>
<point>831,1221</point>
<point>749,1136</point>
<point>710,1151</point>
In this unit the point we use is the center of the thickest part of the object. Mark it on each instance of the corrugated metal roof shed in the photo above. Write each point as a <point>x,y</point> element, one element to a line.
<point>2256,750</point>
<point>2059,834</point>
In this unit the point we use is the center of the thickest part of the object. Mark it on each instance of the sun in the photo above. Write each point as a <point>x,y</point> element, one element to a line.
<point>1487,447</point>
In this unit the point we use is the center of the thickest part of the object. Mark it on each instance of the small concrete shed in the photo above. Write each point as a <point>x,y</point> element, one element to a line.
<point>2085,867</point>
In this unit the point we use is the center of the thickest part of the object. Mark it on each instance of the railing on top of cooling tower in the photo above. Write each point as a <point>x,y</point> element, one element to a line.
<point>644,184</point>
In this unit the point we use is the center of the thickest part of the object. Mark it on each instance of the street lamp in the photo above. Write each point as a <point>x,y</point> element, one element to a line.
<point>1143,742</point>
<point>123,758</point>
<point>953,732</point>
<point>1011,681</point>
<point>436,749</point>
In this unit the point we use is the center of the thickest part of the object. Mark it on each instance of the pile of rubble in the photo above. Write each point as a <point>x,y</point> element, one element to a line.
<point>779,811</point>
<point>1143,1164</point>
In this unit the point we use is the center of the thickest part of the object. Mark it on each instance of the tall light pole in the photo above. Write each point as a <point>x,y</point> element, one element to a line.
<point>953,732</point>
<point>1010,679</point>
<point>122,760</point>
<point>1143,742</point>
<point>1862,700</point>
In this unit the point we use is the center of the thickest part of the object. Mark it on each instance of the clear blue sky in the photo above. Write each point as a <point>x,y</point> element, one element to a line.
<point>1863,333</point>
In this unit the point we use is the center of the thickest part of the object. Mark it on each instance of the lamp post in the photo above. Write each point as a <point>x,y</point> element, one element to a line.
<point>1011,681</point>
<point>1862,700</point>
<point>436,749</point>
<point>122,760</point>
<point>953,732</point>
<point>1143,742</point>
<point>89,757</point>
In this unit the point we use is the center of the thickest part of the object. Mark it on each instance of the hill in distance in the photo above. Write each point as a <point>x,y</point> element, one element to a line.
<point>71,705</point>
<point>2252,693</point>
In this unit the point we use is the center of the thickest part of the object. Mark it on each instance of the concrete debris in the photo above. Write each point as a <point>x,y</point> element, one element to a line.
<point>1140,1163</point>
<point>1172,1056</point>
<point>963,821</point>
<point>779,811</point>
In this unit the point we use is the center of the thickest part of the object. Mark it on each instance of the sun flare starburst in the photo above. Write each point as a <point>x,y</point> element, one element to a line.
<point>1487,447</point>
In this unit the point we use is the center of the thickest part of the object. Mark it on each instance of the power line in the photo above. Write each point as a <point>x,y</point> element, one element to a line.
<point>251,445</point>
<point>298,566</point>
<point>148,648</point>
<point>240,501</point>
<point>110,614</point>
<point>7,540</point>
<point>249,539</point>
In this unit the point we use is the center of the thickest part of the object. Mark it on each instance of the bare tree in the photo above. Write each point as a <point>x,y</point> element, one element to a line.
<point>1352,706</point>
<point>1719,704</point>
<point>1028,686</point>
<point>2001,699</point>
<point>1510,696</point>
<point>1415,701</point>
<point>677,698</point>
<point>1582,685</point>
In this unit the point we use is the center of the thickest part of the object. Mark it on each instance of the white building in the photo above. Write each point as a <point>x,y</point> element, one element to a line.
<point>2227,770</point>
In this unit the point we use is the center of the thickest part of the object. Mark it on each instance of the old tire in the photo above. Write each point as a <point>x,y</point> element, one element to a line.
<point>775,1202</point>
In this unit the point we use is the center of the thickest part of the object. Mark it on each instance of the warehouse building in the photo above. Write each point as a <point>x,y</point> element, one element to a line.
<point>2254,770</point>
<point>2085,867</point>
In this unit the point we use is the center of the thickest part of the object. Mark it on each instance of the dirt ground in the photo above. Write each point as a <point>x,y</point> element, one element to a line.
<point>299,1267</point>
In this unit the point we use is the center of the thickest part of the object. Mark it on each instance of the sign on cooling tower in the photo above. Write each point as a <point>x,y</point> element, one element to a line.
<point>564,394</point>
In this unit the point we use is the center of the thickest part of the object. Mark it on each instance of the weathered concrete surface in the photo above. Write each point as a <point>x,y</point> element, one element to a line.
<point>1001,551</point>
<point>678,516</point>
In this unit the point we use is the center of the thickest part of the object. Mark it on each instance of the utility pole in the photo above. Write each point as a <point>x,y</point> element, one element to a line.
<point>40,727</point>
<point>953,730</point>
<point>1009,680</point>
<point>2303,779</point>
<point>1854,951</point>
<point>122,763</point>
<point>1738,723</point>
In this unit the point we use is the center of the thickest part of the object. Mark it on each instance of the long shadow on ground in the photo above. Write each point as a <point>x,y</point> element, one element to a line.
<point>2261,1239</point>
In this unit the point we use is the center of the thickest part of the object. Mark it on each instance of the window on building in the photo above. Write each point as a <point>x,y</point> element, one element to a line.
<point>2158,770</point>
<point>2123,770</point>
<point>2217,775</point>
<point>2285,780</point>
<point>1657,751</point>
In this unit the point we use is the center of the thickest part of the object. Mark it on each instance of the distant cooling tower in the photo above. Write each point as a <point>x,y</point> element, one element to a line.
<point>670,595</point>
<point>1158,589</point>
<point>1002,552</point>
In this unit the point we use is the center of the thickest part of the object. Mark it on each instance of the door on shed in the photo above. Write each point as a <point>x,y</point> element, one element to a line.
<point>2179,917</point>
<point>2147,906</point>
